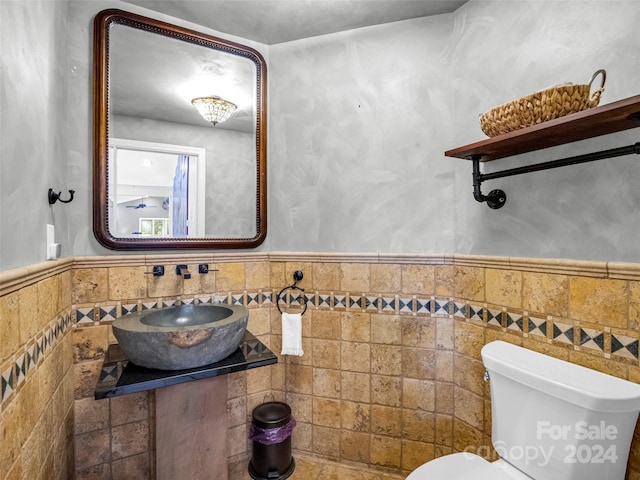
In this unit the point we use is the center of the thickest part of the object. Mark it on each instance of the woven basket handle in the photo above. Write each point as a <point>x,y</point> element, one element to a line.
<point>595,96</point>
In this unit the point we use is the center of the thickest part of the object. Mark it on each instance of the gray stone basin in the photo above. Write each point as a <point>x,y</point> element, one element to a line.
<point>187,336</point>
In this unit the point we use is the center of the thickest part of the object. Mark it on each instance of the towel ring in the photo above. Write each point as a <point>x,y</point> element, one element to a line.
<point>297,276</point>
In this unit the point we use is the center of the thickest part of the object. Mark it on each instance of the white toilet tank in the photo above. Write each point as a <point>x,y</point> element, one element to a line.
<point>555,420</point>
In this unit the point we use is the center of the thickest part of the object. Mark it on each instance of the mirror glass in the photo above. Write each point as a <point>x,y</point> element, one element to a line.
<point>164,176</point>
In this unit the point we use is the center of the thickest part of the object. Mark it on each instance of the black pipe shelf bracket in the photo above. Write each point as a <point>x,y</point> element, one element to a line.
<point>497,198</point>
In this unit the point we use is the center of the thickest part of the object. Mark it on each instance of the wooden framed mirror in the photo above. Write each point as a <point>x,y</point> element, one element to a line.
<point>164,176</point>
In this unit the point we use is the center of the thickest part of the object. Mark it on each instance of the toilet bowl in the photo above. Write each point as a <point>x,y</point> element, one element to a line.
<point>466,466</point>
<point>551,420</point>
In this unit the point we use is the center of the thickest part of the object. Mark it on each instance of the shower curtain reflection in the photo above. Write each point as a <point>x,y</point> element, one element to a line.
<point>179,222</point>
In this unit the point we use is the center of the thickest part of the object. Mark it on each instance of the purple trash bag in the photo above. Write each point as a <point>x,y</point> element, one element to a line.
<point>271,436</point>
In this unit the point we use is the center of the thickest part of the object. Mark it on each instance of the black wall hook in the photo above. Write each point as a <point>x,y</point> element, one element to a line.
<point>54,197</point>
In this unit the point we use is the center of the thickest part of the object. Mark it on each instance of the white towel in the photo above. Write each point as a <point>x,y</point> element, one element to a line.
<point>292,334</point>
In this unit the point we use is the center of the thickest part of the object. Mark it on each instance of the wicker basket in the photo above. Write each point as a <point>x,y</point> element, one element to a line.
<point>541,106</point>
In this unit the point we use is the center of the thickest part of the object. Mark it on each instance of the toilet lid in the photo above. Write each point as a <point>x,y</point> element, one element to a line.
<point>465,466</point>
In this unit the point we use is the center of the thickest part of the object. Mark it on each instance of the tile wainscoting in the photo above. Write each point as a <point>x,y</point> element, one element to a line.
<point>391,375</point>
<point>36,358</point>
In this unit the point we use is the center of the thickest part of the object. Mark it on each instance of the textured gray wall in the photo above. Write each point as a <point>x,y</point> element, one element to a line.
<point>358,123</point>
<point>504,50</point>
<point>33,129</point>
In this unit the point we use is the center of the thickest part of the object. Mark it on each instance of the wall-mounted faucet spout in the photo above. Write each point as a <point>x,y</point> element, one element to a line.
<point>183,271</point>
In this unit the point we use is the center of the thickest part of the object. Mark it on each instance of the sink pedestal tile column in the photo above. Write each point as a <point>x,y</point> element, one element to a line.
<point>191,430</point>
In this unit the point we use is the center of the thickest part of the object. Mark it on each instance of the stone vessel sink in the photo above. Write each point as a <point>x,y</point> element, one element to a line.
<point>186,336</point>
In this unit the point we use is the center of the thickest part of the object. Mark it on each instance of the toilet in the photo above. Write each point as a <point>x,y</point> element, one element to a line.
<point>552,420</point>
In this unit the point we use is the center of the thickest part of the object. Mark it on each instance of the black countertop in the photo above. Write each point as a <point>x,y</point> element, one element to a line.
<point>119,376</point>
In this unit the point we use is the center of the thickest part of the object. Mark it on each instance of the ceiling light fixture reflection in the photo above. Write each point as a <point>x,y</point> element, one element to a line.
<point>213,108</point>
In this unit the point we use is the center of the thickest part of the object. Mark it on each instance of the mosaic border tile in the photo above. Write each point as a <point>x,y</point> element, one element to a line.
<point>592,339</point>
<point>625,344</point>
<point>15,372</point>
<point>562,332</point>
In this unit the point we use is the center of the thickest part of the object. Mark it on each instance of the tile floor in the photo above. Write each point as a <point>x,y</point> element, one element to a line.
<point>309,468</point>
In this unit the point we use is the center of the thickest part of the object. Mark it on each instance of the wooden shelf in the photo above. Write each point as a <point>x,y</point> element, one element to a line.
<point>610,118</point>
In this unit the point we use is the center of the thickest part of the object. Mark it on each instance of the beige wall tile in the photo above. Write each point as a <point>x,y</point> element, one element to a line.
<point>503,287</point>
<point>418,425</point>
<point>444,430</point>
<point>300,379</point>
<point>444,366</point>
<point>326,412</point>
<point>46,306</point>
<point>386,359</point>
<point>257,275</point>
<point>385,278</point>
<point>444,333</point>
<point>386,420</point>
<point>469,374</point>
<point>445,280</point>
<point>418,394</point>
<point>469,407</point>
<point>129,439</point>
<point>386,390</point>
<point>356,386</point>
<point>418,279</point>
<point>354,446</point>
<point>237,411</point>
<point>444,398</point>
<point>468,283</point>
<point>28,311</point>
<point>129,408</point>
<point>326,383</point>
<point>355,277</point>
<point>169,285</point>
<point>259,321</point>
<point>418,363</point>
<point>465,437</point>
<point>90,343</point>
<point>95,448</point>
<point>90,415</point>
<point>356,416</point>
<point>600,301</point>
<point>10,437</point>
<point>258,380</point>
<point>415,454</point>
<point>326,353</point>
<point>355,357</point>
<point>10,338</point>
<point>89,285</point>
<point>230,277</point>
<point>325,324</point>
<point>386,329</point>
<point>545,293</point>
<point>355,327</point>
<point>386,451</point>
<point>301,406</point>
<point>419,331</point>
<point>326,442</point>
<point>326,276</point>
<point>469,338</point>
<point>131,282</point>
